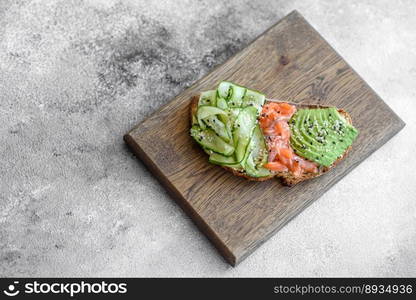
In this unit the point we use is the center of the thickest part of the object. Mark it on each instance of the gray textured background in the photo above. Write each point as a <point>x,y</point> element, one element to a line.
<point>76,75</point>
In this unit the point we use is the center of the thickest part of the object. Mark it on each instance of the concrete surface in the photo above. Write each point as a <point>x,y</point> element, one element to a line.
<point>76,75</point>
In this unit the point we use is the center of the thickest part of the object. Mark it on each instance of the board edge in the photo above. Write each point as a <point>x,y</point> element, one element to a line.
<point>225,252</point>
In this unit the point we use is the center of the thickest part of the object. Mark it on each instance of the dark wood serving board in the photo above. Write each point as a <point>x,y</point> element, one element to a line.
<point>289,61</point>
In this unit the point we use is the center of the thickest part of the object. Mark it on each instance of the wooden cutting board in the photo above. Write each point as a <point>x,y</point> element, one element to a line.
<point>289,61</point>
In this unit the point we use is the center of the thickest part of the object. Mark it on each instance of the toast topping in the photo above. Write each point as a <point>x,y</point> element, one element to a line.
<point>259,139</point>
<point>274,124</point>
<point>225,124</point>
<point>321,135</point>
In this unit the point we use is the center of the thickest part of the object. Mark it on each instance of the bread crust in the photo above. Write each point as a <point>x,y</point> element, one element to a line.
<point>287,178</point>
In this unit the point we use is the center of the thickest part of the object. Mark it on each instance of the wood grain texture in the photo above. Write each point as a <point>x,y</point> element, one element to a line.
<point>289,61</point>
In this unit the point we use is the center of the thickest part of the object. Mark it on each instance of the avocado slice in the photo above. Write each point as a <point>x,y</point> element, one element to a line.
<point>321,135</point>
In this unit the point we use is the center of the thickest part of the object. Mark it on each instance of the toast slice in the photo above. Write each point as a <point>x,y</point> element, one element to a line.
<point>286,177</point>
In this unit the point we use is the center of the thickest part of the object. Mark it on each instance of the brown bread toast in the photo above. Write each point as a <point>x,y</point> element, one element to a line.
<point>287,178</point>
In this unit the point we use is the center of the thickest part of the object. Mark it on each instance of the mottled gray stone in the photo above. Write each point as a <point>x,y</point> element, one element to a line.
<point>76,75</point>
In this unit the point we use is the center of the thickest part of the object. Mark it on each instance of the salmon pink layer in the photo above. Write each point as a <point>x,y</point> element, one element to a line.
<point>274,122</point>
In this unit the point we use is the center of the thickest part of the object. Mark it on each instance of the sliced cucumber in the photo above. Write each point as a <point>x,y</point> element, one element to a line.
<point>255,99</point>
<point>226,161</point>
<point>207,151</point>
<point>206,111</point>
<point>215,124</point>
<point>257,155</point>
<point>222,160</point>
<point>237,95</point>
<point>224,90</point>
<point>253,170</point>
<point>258,147</point>
<point>207,98</point>
<point>209,140</point>
<point>226,126</point>
<point>222,103</point>
<point>243,128</point>
<point>232,93</point>
<point>232,116</point>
